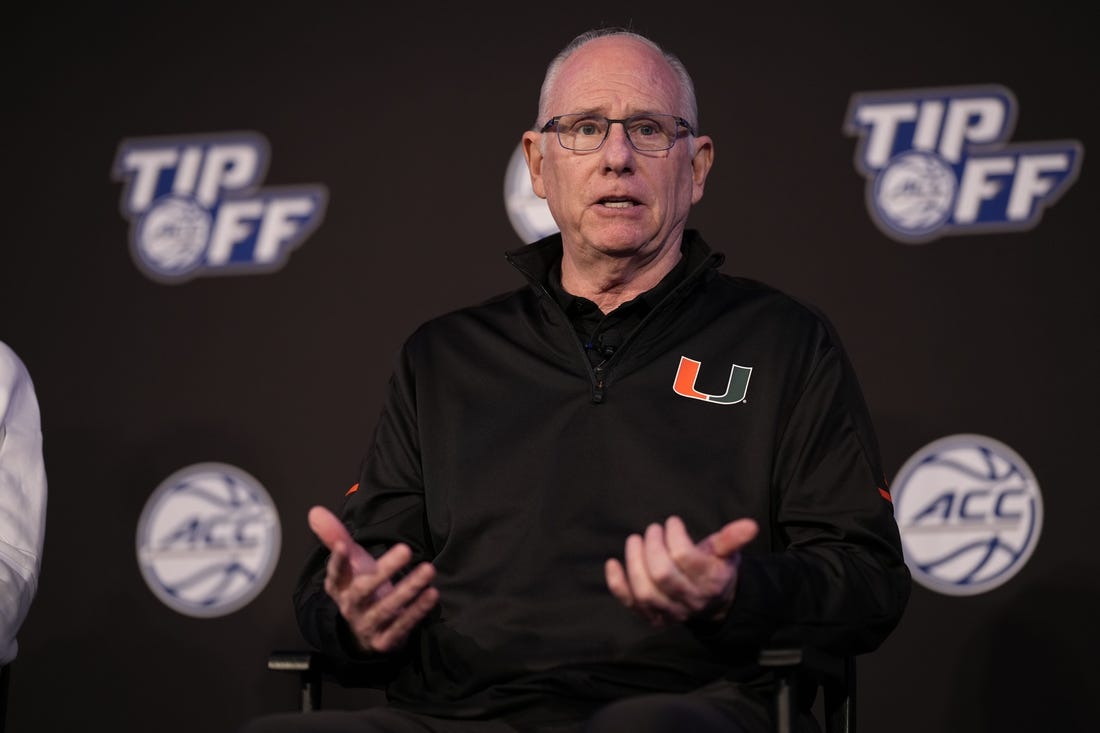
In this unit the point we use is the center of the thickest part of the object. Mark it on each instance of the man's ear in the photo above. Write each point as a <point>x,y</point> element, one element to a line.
<point>701,161</point>
<point>532,151</point>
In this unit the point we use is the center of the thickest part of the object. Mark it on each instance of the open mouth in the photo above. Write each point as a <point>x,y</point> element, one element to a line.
<point>618,202</point>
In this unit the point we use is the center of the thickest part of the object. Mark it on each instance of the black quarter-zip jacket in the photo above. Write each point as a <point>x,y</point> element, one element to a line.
<point>517,467</point>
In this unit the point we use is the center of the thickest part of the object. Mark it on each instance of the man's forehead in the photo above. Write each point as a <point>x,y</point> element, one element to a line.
<point>616,72</point>
<point>618,58</point>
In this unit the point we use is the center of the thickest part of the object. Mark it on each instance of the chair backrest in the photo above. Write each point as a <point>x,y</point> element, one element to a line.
<point>840,699</point>
<point>308,667</point>
<point>5,681</point>
<point>834,675</point>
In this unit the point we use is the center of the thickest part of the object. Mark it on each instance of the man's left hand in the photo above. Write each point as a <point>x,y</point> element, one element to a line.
<point>669,578</point>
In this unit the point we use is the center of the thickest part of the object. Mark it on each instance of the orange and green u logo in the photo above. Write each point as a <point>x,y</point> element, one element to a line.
<point>688,372</point>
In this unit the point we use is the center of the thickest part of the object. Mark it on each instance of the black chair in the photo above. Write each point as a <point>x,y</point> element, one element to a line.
<point>308,666</point>
<point>5,682</point>
<point>793,668</point>
<point>834,675</point>
<point>314,670</point>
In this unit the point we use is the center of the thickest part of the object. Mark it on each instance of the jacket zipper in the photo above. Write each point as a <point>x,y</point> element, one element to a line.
<point>598,374</point>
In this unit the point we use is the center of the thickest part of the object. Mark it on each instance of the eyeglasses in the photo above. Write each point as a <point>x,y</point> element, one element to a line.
<point>647,133</point>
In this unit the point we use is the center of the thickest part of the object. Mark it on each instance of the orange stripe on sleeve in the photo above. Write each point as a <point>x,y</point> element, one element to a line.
<point>355,488</point>
<point>885,494</point>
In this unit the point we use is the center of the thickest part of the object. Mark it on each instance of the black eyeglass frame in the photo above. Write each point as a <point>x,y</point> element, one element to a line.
<point>552,123</point>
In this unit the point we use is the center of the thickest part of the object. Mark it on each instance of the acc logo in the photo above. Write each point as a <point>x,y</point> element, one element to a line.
<point>194,207</point>
<point>529,214</point>
<point>970,514</point>
<point>938,162</point>
<point>208,540</point>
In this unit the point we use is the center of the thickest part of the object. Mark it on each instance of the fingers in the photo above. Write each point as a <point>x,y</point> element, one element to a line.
<point>682,549</point>
<point>338,570</point>
<point>649,600</point>
<point>672,593</point>
<point>386,625</point>
<point>731,538</point>
<point>355,586</point>
<point>650,583</point>
<point>380,613</point>
<point>666,577</point>
<point>615,575</point>
<point>701,570</point>
<point>384,568</point>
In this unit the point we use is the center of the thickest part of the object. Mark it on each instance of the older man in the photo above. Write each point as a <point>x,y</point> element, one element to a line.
<point>588,503</point>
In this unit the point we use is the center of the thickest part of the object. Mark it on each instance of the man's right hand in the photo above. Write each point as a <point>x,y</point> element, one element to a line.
<point>380,613</point>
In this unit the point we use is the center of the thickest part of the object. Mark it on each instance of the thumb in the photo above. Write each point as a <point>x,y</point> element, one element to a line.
<point>332,532</point>
<point>328,527</point>
<point>731,538</point>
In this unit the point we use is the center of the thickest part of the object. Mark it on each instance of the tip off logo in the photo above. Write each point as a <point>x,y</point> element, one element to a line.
<point>938,162</point>
<point>970,514</point>
<point>208,540</point>
<point>194,207</point>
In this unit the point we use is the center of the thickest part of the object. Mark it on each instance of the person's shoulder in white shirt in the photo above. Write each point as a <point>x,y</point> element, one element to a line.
<point>22,498</point>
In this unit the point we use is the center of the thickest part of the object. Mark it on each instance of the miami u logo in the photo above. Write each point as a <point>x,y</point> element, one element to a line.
<point>688,372</point>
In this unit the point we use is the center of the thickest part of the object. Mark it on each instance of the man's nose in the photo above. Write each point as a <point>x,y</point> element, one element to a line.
<point>617,149</point>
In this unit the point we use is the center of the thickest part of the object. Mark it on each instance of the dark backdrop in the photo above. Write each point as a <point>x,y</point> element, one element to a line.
<point>408,114</point>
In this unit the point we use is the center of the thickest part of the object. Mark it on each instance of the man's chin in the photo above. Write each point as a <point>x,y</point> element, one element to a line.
<point>621,241</point>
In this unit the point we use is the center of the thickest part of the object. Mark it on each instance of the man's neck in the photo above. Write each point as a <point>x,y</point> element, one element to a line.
<point>609,281</point>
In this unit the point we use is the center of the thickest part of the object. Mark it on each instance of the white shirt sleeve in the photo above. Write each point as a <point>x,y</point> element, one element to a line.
<point>22,498</point>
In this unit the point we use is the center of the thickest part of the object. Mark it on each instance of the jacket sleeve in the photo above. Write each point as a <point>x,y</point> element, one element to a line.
<point>386,507</point>
<point>834,576</point>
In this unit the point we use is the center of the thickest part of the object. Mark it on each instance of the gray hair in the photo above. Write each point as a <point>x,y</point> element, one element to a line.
<point>687,88</point>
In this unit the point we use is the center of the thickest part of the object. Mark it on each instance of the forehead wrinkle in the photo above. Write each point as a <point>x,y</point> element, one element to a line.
<point>604,111</point>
